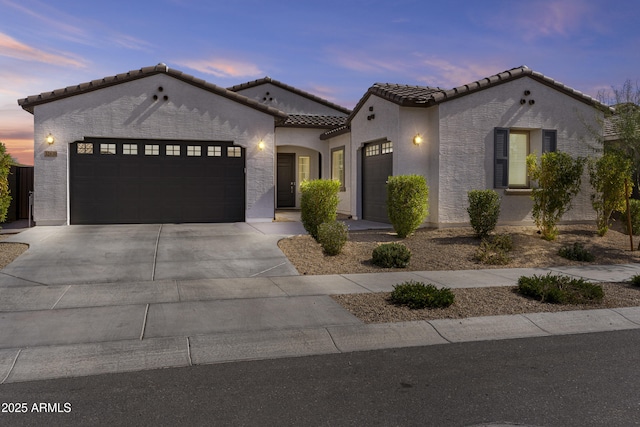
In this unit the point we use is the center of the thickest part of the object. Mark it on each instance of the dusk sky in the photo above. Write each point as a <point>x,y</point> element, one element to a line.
<point>333,49</point>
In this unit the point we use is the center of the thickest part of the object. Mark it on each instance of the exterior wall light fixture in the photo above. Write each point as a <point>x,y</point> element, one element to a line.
<point>417,140</point>
<point>50,139</point>
<point>261,145</point>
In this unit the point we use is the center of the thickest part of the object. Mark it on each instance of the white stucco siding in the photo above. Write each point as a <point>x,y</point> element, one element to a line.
<point>466,147</point>
<point>287,101</point>
<point>128,110</point>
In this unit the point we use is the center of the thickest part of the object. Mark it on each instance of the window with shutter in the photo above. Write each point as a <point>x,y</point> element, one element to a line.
<point>549,140</point>
<point>501,163</point>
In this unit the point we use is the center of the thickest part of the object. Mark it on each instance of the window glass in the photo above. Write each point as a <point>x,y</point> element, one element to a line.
<point>337,166</point>
<point>130,149</point>
<point>303,168</point>
<point>214,151</point>
<point>518,150</point>
<point>173,150</point>
<point>107,148</point>
<point>372,150</point>
<point>151,150</point>
<point>194,150</point>
<point>234,152</point>
<point>387,147</point>
<point>85,148</point>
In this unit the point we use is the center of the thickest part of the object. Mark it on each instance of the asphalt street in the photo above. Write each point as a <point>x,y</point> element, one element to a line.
<point>571,380</point>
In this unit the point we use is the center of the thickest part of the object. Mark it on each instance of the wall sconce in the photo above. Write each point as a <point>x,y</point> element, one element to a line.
<point>261,145</point>
<point>50,139</point>
<point>417,140</point>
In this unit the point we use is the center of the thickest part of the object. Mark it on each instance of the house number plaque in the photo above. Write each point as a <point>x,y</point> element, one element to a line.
<point>51,154</point>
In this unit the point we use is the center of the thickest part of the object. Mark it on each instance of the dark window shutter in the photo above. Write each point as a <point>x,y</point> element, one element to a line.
<point>501,158</point>
<point>549,140</point>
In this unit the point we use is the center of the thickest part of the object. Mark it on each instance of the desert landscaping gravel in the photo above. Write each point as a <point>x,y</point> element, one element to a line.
<point>10,251</point>
<point>453,249</point>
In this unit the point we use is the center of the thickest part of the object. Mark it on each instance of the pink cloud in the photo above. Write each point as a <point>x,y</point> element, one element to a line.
<point>442,73</point>
<point>12,48</point>
<point>223,68</point>
<point>361,62</point>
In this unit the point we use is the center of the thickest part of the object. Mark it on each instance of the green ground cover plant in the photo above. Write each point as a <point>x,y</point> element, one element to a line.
<point>390,255</point>
<point>560,289</point>
<point>417,295</point>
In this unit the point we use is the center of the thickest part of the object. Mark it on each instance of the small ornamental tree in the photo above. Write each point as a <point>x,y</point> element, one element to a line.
<point>607,176</point>
<point>407,202</point>
<point>5,168</point>
<point>318,203</point>
<point>559,177</point>
<point>483,210</point>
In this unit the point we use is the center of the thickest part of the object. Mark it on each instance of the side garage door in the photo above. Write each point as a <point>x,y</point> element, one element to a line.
<point>377,166</point>
<point>118,181</point>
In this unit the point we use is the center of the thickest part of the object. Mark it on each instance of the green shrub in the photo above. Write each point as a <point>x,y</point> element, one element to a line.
<point>494,251</point>
<point>634,207</point>
<point>483,210</point>
<point>332,236</point>
<point>416,295</point>
<point>407,203</point>
<point>560,289</point>
<point>390,255</point>
<point>558,176</point>
<point>635,280</point>
<point>576,252</point>
<point>318,203</point>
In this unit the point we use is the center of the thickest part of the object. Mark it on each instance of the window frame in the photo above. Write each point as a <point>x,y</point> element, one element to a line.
<point>341,167</point>
<point>302,166</point>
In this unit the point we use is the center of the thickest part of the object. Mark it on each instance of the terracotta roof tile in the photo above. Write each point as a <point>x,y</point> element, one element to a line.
<point>314,121</point>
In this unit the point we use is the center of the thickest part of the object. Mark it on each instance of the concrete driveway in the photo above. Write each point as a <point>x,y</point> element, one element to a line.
<point>82,254</point>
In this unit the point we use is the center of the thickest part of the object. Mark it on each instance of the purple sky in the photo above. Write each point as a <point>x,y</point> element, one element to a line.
<point>333,49</point>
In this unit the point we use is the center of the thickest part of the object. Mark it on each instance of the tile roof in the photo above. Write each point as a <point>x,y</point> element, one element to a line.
<point>30,102</point>
<point>314,121</point>
<point>308,95</point>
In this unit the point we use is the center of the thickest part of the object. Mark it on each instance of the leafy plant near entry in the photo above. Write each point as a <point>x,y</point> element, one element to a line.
<point>494,251</point>
<point>407,203</point>
<point>559,178</point>
<point>332,236</point>
<point>560,289</point>
<point>635,280</point>
<point>634,207</point>
<point>318,203</point>
<point>483,210</point>
<point>5,168</point>
<point>607,176</point>
<point>576,252</point>
<point>416,295</point>
<point>390,255</point>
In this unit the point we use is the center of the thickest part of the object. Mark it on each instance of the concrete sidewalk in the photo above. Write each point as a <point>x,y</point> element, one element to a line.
<point>76,330</point>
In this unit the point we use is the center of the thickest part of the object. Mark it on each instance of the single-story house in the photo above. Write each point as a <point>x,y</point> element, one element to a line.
<point>157,145</point>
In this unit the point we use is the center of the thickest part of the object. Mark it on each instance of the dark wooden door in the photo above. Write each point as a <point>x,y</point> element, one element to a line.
<point>286,180</point>
<point>377,167</point>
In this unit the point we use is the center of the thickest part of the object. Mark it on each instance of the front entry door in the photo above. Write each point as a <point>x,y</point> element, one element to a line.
<point>286,180</point>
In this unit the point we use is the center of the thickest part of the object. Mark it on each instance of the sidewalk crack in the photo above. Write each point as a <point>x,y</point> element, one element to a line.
<point>155,254</point>
<point>144,322</point>
<point>13,365</point>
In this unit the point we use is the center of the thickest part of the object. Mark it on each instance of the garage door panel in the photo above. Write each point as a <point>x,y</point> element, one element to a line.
<point>156,188</point>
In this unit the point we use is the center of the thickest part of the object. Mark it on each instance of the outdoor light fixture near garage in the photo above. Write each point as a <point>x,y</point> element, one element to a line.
<point>417,140</point>
<point>261,145</point>
<point>50,139</point>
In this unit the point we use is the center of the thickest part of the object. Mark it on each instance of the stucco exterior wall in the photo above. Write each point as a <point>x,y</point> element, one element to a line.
<point>128,110</point>
<point>466,147</point>
<point>287,101</point>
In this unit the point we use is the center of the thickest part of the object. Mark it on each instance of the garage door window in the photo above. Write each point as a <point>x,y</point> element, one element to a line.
<point>234,152</point>
<point>151,150</point>
<point>85,148</point>
<point>173,150</point>
<point>387,147</point>
<point>130,149</point>
<point>194,151</point>
<point>214,151</point>
<point>372,150</point>
<point>107,148</point>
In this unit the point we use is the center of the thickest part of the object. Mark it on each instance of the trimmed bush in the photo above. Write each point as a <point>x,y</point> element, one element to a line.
<point>635,280</point>
<point>560,289</point>
<point>407,203</point>
<point>332,236</point>
<point>634,207</point>
<point>495,251</point>
<point>416,295</point>
<point>318,203</point>
<point>483,210</point>
<point>576,252</point>
<point>390,255</point>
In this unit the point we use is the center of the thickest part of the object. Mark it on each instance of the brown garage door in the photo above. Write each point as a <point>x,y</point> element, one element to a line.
<point>377,167</point>
<point>120,181</point>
